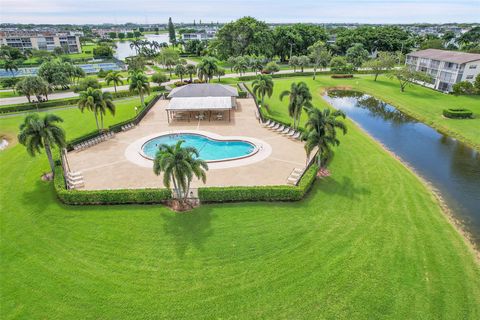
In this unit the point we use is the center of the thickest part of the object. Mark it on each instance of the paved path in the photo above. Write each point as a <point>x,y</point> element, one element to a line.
<point>70,94</point>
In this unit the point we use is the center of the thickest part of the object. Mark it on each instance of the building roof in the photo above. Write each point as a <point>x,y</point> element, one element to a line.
<point>445,55</point>
<point>203,90</point>
<point>200,103</point>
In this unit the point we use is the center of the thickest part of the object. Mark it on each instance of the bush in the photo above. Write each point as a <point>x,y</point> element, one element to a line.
<point>86,83</point>
<point>180,83</point>
<point>457,113</point>
<point>342,76</point>
<point>260,193</point>
<point>242,94</point>
<point>199,81</point>
<point>102,73</point>
<point>122,196</point>
<point>159,77</point>
<point>33,106</point>
<point>463,88</point>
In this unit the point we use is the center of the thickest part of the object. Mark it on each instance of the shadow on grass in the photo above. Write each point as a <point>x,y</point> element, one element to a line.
<point>188,230</point>
<point>343,186</point>
<point>38,196</point>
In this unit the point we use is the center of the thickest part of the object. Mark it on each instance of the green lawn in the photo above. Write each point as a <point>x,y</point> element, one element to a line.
<point>424,104</point>
<point>369,242</point>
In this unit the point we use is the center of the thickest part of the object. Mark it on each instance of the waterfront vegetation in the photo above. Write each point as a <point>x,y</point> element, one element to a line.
<point>369,241</point>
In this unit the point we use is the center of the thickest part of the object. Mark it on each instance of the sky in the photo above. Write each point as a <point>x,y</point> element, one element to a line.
<point>158,11</point>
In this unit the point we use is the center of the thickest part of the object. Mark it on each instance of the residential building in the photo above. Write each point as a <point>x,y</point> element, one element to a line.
<point>445,67</point>
<point>42,41</point>
<point>202,35</point>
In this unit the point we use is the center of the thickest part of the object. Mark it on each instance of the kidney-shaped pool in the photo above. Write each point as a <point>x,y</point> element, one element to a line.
<point>209,149</point>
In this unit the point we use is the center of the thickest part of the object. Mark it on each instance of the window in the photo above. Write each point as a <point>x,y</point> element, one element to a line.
<point>470,77</point>
<point>473,66</point>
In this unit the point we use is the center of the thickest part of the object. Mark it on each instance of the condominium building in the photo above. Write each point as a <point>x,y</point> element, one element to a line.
<point>44,41</point>
<point>201,35</point>
<point>445,67</point>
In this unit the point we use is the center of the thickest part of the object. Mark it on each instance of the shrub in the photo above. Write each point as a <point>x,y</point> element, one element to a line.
<point>199,81</point>
<point>260,193</point>
<point>122,196</point>
<point>86,83</point>
<point>242,94</point>
<point>102,73</point>
<point>463,88</point>
<point>457,113</point>
<point>159,77</point>
<point>342,76</point>
<point>180,83</point>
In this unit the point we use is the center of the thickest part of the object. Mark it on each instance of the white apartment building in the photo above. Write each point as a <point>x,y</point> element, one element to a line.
<point>45,41</point>
<point>206,35</point>
<point>445,67</point>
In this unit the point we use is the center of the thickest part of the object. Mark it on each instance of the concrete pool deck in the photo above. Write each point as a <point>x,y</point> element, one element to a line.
<point>111,164</point>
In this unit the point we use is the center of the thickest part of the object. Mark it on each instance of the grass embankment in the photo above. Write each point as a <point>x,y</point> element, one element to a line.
<point>424,104</point>
<point>368,242</point>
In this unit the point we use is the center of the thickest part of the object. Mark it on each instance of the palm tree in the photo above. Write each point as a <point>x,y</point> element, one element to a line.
<point>139,84</point>
<point>89,100</point>
<point>321,133</point>
<point>37,133</point>
<point>263,86</point>
<point>191,69</point>
<point>206,68</point>
<point>180,71</point>
<point>10,65</point>
<point>105,104</point>
<point>179,165</point>
<point>115,77</point>
<point>299,98</point>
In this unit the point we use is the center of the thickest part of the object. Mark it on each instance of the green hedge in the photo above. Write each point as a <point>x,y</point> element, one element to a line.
<point>121,196</point>
<point>457,113</point>
<point>260,193</point>
<point>300,74</point>
<point>242,94</point>
<point>65,102</point>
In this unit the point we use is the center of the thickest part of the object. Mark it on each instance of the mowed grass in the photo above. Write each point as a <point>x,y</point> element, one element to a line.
<point>422,103</point>
<point>369,242</point>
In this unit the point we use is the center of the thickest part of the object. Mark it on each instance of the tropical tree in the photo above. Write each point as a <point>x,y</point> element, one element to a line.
<point>42,133</point>
<point>383,63</point>
<point>220,72</point>
<point>159,78</point>
<point>115,78</point>
<point>88,100</point>
<point>241,65</point>
<point>206,68</point>
<point>303,62</point>
<point>320,133</point>
<point>180,71</point>
<point>320,56</point>
<point>171,32</point>
<point>191,69</point>
<point>33,86</point>
<point>263,86</point>
<point>272,67</point>
<point>10,65</point>
<point>139,84</point>
<point>357,55</point>
<point>179,165</point>
<point>105,104</point>
<point>407,76</point>
<point>294,62</point>
<point>299,98</point>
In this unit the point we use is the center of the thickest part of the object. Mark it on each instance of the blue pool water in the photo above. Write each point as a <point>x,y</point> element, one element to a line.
<point>209,149</point>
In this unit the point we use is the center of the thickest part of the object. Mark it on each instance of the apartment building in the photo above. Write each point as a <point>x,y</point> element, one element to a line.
<point>201,35</point>
<point>42,41</point>
<point>445,67</point>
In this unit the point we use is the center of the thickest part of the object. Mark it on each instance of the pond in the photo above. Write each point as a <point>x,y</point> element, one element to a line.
<point>123,49</point>
<point>449,165</point>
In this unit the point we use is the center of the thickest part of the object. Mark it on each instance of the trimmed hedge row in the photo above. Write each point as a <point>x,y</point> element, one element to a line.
<point>457,113</point>
<point>341,76</point>
<point>300,74</point>
<point>260,193</point>
<point>65,102</point>
<point>103,197</point>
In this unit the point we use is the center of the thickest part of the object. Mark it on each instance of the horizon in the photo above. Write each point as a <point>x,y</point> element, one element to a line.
<point>304,11</point>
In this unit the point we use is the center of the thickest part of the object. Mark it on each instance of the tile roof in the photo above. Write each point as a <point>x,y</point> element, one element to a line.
<point>445,55</point>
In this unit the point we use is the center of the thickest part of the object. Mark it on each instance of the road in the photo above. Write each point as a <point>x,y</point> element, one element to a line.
<point>71,94</point>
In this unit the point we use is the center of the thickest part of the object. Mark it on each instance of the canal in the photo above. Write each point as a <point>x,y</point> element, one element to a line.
<point>449,165</point>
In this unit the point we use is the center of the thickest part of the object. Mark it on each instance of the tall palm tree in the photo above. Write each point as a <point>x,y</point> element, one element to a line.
<point>206,68</point>
<point>299,98</point>
<point>179,165</point>
<point>139,84</point>
<point>37,133</point>
<point>191,69</point>
<point>115,77</point>
<point>321,133</point>
<point>263,86</point>
<point>10,65</point>
<point>88,100</point>
<point>105,104</point>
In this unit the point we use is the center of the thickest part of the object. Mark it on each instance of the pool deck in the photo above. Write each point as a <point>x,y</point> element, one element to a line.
<point>113,164</point>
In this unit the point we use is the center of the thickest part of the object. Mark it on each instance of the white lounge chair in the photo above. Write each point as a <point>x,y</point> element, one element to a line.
<point>286,130</point>
<point>296,135</point>
<point>276,126</point>
<point>281,128</point>
<point>266,124</point>
<point>271,125</point>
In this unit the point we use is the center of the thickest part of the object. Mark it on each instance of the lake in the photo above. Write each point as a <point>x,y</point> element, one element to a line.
<point>449,165</point>
<point>123,49</point>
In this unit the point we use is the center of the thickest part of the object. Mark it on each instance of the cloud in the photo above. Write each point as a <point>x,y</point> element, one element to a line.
<point>155,11</point>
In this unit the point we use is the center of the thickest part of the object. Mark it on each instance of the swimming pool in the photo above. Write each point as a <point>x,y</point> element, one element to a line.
<point>209,149</point>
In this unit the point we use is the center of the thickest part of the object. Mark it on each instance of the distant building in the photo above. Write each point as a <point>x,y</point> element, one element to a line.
<point>445,67</point>
<point>41,41</point>
<point>203,35</point>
